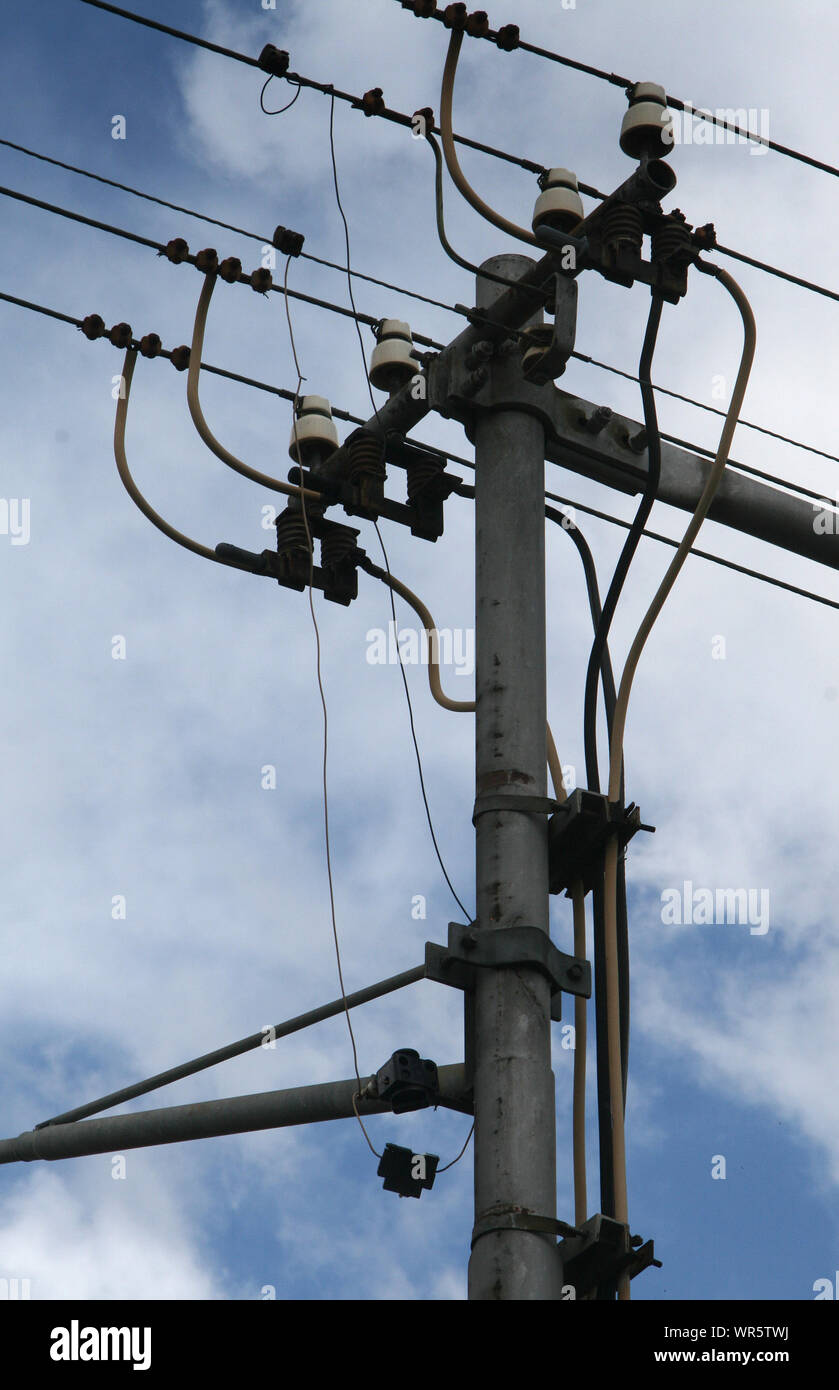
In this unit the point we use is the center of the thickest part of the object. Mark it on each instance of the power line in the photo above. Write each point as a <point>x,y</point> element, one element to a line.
<point>432,343</point>
<point>401,118</point>
<point>463,490</point>
<point>227,226</point>
<point>508,38</point>
<point>440,304</point>
<point>327,88</point>
<point>160,248</point>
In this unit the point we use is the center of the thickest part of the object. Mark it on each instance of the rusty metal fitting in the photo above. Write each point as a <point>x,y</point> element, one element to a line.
<point>372,103</point>
<point>93,327</point>
<point>478,24</point>
<point>150,345</point>
<point>207,261</point>
<point>454,17</point>
<point>180,358</point>
<point>120,335</point>
<point>261,280</point>
<point>508,37</point>
<point>176,250</point>
<point>230,269</point>
<point>288,242</point>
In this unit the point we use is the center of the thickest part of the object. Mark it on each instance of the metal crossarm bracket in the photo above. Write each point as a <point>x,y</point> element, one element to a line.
<point>470,948</point>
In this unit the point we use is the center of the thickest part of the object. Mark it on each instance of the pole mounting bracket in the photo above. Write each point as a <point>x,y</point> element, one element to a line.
<point>512,801</point>
<point>518,1220</point>
<point>470,948</point>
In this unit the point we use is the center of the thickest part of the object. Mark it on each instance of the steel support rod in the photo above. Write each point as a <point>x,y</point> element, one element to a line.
<point>515,1143</point>
<point>223,1054</point>
<point>210,1118</point>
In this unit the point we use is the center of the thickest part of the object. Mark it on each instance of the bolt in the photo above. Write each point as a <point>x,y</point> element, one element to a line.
<point>475,380</point>
<point>575,971</point>
<point>637,442</point>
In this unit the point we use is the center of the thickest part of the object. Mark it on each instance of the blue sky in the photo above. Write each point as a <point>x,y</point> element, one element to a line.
<point>142,777</point>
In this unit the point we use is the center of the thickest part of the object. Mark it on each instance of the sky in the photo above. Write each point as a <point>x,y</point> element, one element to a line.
<point>141,777</point>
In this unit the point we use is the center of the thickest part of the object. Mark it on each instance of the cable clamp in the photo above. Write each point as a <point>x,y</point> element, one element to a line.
<point>506,947</point>
<point>274,60</point>
<point>579,832</point>
<point>511,801</point>
<point>515,1219</point>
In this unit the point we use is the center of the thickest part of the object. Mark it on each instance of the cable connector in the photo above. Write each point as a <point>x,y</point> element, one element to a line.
<point>423,9</point>
<point>120,335</point>
<point>508,37</point>
<point>408,1081</point>
<point>578,833</point>
<point>274,60</point>
<point>406,1172</point>
<point>454,17</point>
<point>288,242</point>
<point>478,24</point>
<point>179,357</point>
<point>176,250</point>
<point>93,327</point>
<point>230,269</point>
<point>372,103</point>
<point>261,280</point>
<point>150,345</point>
<point>207,261</point>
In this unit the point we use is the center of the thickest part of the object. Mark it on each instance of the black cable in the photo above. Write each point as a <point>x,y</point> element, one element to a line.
<point>607,1177</point>
<point>282,109</point>
<point>630,545</point>
<point>378,531</point>
<point>463,489</point>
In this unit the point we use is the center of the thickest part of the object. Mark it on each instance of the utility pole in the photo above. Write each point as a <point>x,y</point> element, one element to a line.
<point>515,1144</point>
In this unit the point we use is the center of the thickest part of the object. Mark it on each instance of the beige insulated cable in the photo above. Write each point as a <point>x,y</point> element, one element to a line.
<point>198,416</point>
<point>450,152</point>
<point>128,482</point>
<point>433,647</point>
<point>619,725</point>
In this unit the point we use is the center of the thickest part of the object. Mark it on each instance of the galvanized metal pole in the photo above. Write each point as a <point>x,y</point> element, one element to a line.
<point>515,1143</point>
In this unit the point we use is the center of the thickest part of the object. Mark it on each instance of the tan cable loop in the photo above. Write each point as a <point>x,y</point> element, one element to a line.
<point>457,175</point>
<point>197,414</point>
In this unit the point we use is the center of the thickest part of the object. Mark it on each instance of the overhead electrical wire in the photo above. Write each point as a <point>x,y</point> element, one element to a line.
<point>327,88</point>
<point>463,489</point>
<point>511,40</point>
<point>460,310</point>
<point>403,119</point>
<point>619,724</point>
